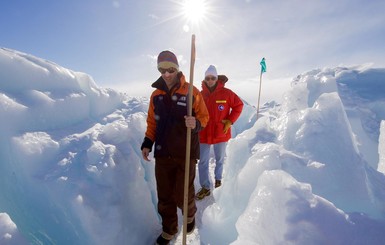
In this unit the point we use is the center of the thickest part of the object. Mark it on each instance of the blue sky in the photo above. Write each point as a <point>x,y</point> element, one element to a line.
<point>117,42</point>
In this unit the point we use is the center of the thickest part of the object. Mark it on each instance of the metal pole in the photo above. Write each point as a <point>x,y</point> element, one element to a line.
<point>259,94</point>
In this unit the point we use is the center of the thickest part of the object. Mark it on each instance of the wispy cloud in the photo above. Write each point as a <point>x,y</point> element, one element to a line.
<point>153,16</point>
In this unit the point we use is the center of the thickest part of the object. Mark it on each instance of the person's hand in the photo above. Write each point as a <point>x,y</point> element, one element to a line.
<point>227,124</point>
<point>190,122</point>
<point>145,153</point>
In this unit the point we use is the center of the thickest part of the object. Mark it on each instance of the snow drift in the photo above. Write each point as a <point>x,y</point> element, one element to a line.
<point>309,171</point>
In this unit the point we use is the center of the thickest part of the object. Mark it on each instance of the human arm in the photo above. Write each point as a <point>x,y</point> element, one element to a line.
<point>227,124</point>
<point>200,111</point>
<point>190,122</point>
<point>149,138</point>
<point>145,154</point>
<point>236,108</point>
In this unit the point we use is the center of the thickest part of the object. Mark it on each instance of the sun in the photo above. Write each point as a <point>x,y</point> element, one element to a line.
<point>194,10</point>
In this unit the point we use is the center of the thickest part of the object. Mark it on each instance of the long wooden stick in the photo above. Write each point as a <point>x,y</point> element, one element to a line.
<point>188,143</point>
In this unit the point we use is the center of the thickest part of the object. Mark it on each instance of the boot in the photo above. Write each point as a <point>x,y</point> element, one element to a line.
<point>217,183</point>
<point>202,193</point>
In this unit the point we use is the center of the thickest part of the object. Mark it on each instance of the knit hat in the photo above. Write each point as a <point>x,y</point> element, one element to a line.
<point>167,59</point>
<point>211,71</point>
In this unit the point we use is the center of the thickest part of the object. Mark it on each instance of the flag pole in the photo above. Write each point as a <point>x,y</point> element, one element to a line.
<point>188,141</point>
<point>263,69</point>
<point>259,94</point>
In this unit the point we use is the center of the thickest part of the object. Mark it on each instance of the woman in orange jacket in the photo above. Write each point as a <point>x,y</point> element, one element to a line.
<point>224,108</point>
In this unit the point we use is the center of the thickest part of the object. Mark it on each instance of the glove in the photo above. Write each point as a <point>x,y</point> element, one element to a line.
<point>227,124</point>
<point>147,143</point>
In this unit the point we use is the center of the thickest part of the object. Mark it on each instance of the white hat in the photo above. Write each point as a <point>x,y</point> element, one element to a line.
<point>211,71</point>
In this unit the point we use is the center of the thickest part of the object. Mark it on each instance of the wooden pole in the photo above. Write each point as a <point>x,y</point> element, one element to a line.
<point>188,142</point>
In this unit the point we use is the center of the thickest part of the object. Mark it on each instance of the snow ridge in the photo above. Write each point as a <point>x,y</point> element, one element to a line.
<point>304,173</point>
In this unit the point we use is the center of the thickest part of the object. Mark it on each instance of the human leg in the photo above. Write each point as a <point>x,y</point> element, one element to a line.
<point>191,189</point>
<point>191,207</point>
<point>203,166</point>
<point>219,152</point>
<point>165,173</point>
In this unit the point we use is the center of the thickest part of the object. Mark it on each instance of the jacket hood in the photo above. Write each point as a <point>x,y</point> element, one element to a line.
<point>222,78</point>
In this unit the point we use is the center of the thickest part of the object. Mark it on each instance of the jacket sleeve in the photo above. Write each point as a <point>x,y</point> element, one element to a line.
<point>149,138</point>
<point>147,143</point>
<point>236,107</point>
<point>201,112</point>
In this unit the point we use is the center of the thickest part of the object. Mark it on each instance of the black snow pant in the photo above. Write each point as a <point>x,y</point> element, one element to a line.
<point>169,174</point>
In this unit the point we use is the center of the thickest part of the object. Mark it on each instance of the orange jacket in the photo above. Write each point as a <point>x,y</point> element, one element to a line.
<point>222,103</point>
<point>166,123</point>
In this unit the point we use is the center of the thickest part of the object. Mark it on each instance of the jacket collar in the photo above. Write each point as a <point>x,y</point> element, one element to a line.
<point>161,84</point>
<point>222,79</point>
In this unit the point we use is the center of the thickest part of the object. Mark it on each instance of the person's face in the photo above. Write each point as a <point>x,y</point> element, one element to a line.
<point>169,75</point>
<point>210,81</point>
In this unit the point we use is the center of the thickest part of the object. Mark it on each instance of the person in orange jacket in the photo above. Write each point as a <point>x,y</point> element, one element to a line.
<point>224,108</point>
<point>167,123</point>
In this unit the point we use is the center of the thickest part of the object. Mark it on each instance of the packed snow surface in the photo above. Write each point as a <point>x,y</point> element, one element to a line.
<point>309,171</point>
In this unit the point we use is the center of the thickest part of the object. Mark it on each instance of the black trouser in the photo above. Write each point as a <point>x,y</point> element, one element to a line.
<point>169,173</point>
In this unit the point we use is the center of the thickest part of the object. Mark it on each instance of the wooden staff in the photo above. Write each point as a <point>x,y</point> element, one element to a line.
<point>188,143</point>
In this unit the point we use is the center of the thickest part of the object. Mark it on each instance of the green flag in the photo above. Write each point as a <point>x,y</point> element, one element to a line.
<point>263,65</point>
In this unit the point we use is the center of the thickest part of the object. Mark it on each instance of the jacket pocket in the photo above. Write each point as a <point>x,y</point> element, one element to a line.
<point>218,131</point>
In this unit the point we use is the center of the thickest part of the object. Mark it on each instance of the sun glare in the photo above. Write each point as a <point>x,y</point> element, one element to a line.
<point>194,10</point>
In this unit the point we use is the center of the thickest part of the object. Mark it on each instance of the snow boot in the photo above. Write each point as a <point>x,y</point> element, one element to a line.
<point>202,193</point>
<point>218,183</point>
<point>191,227</point>
<point>162,241</point>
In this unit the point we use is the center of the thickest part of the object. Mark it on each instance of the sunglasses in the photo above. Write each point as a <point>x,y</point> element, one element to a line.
<point>210,78</point>
<point>169,70</point>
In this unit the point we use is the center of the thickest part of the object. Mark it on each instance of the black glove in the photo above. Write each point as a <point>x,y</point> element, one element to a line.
<point>147,143</point>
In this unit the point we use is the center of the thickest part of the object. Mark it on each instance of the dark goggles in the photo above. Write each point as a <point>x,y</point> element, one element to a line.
<point>210,78</point>
<point>169,70</point>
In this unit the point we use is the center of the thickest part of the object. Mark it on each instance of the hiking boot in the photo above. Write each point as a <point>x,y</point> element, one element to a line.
<point>191,227</point>
<point>202,193</point>
<point>217,183</point>
<point>162,241</point>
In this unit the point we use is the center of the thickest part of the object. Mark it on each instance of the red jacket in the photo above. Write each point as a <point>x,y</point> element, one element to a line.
<point>222,103</point>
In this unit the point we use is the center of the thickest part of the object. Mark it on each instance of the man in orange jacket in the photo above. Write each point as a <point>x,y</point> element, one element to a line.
<point>167,123</point>
<point>224,108</point>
